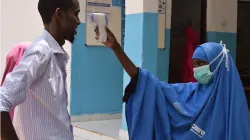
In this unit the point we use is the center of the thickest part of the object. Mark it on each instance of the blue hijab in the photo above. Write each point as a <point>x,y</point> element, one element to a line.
<point>191,111</point>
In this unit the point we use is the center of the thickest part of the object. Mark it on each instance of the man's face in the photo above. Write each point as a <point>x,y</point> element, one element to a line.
<point>70,22</point>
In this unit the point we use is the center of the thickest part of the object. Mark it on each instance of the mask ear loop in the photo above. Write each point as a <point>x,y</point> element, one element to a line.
<point>219,62</point>
<point>225,52</point>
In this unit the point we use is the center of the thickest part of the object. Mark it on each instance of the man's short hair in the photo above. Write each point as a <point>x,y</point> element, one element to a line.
<point>47,8</point>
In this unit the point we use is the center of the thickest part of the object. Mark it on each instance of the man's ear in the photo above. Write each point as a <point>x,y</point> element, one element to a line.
<point>59,14</point>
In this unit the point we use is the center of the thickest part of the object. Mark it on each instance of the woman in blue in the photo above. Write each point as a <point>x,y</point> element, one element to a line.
<point>214,108</point>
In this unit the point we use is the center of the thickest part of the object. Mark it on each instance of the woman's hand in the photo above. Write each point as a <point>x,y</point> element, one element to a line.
<point>111,39</point>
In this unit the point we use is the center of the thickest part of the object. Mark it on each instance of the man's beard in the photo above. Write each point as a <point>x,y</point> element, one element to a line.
<point>71,39</point>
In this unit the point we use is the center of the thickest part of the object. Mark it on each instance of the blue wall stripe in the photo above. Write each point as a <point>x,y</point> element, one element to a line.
<point>141,43</point>
<point>150,41</point>
<point>117,3</point>
<point>228,38</point>
<point>163,59</point>
<point>96,78</point>
<point>133,48</point>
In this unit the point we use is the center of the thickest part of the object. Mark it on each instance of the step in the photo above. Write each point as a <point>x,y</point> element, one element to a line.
<point>98,130</point>
<point>245,75</point>
<point>84,134</point>
<point>247,88</point>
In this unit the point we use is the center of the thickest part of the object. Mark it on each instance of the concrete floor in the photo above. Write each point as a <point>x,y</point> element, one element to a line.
<point>78,138</point>
<point>97,130</point>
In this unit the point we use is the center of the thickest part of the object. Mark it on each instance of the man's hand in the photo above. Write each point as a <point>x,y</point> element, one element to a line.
<point>111,39</point>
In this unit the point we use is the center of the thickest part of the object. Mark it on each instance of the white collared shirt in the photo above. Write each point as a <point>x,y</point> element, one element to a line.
<point>37,87</point>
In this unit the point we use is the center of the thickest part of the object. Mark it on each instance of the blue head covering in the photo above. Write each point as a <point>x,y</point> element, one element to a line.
<point>208,52</point>
<point>227,95</point>
<point>191,111</point>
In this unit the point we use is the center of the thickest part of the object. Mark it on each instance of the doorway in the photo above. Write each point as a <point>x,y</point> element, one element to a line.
<point>243,48</point>
<point>184,13</point>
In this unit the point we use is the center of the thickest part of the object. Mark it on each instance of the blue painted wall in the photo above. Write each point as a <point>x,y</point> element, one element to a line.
<point>133,42</point>
<point>228,38</point>
<point>96,77</point>
<point>150,42</point>
<point>141,43</point>
<point>163,59</point>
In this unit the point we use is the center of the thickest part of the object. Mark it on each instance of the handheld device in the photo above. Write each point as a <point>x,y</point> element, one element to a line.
<point>100,20</point>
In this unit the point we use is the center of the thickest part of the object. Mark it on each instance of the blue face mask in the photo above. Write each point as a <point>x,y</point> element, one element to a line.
<point>203,74</point>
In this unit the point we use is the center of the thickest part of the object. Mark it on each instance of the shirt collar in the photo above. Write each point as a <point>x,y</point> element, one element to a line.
<point>53,44</point>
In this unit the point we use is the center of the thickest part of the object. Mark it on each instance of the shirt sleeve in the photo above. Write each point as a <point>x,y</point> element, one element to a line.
<point>31,67</point>
<point>131,87</point>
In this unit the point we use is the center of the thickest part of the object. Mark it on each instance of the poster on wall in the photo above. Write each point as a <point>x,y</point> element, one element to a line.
<point>95,6</point>
<point>161,23</point>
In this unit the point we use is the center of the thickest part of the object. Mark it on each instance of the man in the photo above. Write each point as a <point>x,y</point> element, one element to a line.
<point>38,84</point>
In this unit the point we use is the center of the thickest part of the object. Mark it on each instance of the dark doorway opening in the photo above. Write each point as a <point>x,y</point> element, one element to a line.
<point>184,13</point>
<point>243,48</point>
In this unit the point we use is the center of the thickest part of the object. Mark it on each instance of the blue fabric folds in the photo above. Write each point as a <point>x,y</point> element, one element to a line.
<point>190,111</point>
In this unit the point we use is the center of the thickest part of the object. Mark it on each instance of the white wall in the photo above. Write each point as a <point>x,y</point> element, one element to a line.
<point>20,21</point>
<point>222,16</point>
<point>0,39</point>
